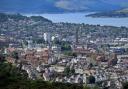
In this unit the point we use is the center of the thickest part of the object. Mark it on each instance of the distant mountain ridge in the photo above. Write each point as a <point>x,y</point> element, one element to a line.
<point>118,14</point>
<point>123,10</point>
<point>58,6</point>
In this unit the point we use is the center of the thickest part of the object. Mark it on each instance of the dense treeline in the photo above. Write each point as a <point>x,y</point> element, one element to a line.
<point>125,85</point>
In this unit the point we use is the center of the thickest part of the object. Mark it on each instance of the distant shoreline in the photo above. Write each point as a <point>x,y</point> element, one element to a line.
<point>108,15</point>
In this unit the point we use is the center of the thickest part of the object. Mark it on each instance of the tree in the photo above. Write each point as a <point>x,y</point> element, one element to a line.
<point>2,57</point>
<point>65,46</point>
<point>125,85</point>
<point>70,53</point>
<point>67,71</point>
<point>72,71</point>
<point>96,87</point>
<point>91,79</point>
<point>86,87</point>
<point>15,55</point>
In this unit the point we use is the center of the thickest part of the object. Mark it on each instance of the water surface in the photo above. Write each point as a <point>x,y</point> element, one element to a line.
<point>81,18</point>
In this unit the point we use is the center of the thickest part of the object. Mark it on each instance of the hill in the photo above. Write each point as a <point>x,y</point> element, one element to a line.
<point>116,14</point>
<point>123,10</point>
<point>5,17</point>
<point>59,6</point>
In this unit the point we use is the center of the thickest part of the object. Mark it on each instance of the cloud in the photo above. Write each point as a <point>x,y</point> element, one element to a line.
<point>63,4</point>
<point>72,4</point>
<point>91,4</point>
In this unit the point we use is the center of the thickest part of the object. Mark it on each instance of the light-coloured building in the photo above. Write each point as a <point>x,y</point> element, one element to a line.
<point>47,37</point>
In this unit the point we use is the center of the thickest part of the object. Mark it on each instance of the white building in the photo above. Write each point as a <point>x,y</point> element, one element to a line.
<point>47,37</point>
<point>30,44</point>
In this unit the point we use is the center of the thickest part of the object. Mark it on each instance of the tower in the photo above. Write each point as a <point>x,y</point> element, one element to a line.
<point>77,38</point>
